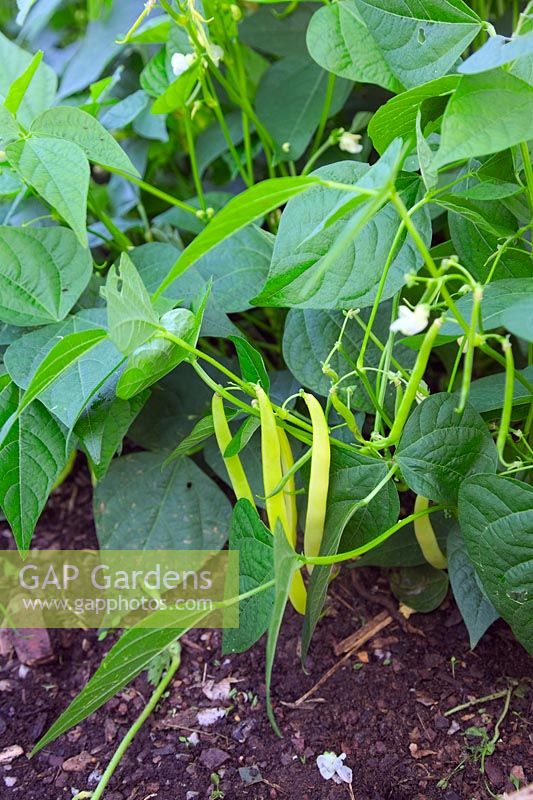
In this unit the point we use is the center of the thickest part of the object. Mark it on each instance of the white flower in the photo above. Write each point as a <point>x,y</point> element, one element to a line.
<point>411,322</point>
<point>216,53</point>
<point>180,63</point>
<point>331,766</point>
<point>351,143</point>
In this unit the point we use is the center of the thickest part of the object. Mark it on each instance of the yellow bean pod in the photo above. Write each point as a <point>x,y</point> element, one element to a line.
<point>272,476</point>
<point>289,490</point>
<point>233,465</point>
<point>425,536</point>
<point>318,480</point>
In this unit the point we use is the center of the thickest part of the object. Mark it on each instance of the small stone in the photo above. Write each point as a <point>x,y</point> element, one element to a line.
<point>242,731</point>
<point>212,758</point>
<point>78,763</point>
<point>192,795</point>
<point>494,773</point>
<point>94,777</point>
<point>10,782</point>
<point>250,775</point>
<point>441,723</point>
<point>9,754</point>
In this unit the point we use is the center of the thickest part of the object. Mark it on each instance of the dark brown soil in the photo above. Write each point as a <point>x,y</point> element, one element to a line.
<point>385,707</point>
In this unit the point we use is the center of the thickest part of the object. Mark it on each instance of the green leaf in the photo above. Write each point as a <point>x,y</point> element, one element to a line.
<point>59,172</point>
<point>285,565</point>
<point>177,402</point>
<point>496,517</point>
<point>421,588</point>
<point>18,88</point>
<point>518,318</point>
<point>497,298</point>
<point>157,357</point>
<point>147,506</point>
<point>398,116</point>
<point>133,652</point>
<point>177,93</point>
<point>352,478</point>
<point>496,52</point>
<point>400,550</point>
<point>62,355</point>
<point>304,87</point>
<point>477,611</point>
<point>75,125</point>
<point>92,377</point>
<point>270,32</point>
<point>338,40</point>
<point>9,129</point>
<point>309,337</point>
<point>487,394</point>
<point>251,362</point>
<point>40,93</point>
<point>309,267</point>
<point>420,41</point>
<point>439,448</point>
<point>243,257</point>
<point>477,247</point>
<point>471,128</point>
<point>32,455</point>
<point>239,212</point>
<point>102,428</point>
<point>254,542</point>
<point>244,433</point>
<point>250,457</point>
<point>130,314</point>
<point>43,271</point>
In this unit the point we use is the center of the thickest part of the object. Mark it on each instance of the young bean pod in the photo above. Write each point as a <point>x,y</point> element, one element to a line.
<point>425,536</point>
<point>272,476</point>
<point>318,480</point>
<point>289,490</point>
<point>233,465</point>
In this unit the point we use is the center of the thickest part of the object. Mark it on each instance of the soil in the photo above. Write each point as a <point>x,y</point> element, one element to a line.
<point>384,707</point>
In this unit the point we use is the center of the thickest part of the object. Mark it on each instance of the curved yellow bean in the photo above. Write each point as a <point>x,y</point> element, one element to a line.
<point>233,465</point>
<point>425,536</point>
<point>272,475</point>
<point>289,490</point>
<point>318,480</point>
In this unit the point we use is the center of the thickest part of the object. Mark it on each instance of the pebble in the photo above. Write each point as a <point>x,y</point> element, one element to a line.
<point>10,782</point>
<point>212,758</point>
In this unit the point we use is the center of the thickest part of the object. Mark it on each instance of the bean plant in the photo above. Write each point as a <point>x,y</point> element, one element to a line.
<point>286,252</point>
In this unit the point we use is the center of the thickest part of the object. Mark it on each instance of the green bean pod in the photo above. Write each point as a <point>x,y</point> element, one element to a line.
<point>233,465</point>
<point>346,414</point>
<point>425,536</point>
<point>318,480</point>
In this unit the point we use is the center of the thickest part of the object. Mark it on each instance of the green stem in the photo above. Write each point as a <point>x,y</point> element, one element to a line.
<point>153,190</point>
<point>365,548</point>
<point>192,158</point>
<point>428,259</point>
<point>528,169</point>
<point>507,409</point>
<point>477,297</point>
<point>413,386</point>
<point>134,729</point>
<point>328,98</point>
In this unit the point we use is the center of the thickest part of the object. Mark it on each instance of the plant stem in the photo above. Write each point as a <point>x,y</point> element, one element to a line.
<point>325,111</point>
<point>528,169</point>
<point>426,255</point>
<point>192,158</point>
<point>359,551</point>
<point>132,732</point>
<point>147,187</point>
